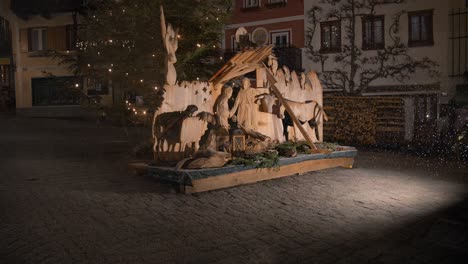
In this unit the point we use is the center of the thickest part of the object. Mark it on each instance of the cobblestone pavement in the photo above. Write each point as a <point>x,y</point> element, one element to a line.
<point>66,196</point>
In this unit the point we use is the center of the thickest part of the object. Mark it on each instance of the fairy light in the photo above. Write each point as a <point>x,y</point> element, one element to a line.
<point>141,80</point>
<point>110,70</point>
<point>77,85</point>
<point>198,45</point>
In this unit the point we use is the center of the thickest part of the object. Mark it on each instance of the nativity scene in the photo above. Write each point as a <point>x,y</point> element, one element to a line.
<point>232,129</point>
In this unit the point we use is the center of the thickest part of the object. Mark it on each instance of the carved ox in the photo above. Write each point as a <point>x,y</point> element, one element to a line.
<point>308,112</point>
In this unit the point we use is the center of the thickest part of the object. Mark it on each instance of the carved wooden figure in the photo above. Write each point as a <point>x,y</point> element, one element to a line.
<point>191,132</point>
<point>222,108</point>
<point>169,36</point>
<point>245,106</point>
<point>167,128</point>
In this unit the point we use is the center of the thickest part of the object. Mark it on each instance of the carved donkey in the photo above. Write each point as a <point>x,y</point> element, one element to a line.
<point>167,128</point>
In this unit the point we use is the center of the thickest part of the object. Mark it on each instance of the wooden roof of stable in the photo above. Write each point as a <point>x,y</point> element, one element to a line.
<point>243,62</point>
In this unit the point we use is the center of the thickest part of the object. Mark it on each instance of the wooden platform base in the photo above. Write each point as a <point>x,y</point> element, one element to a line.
<point>194,181</point>
<point>261,174</point>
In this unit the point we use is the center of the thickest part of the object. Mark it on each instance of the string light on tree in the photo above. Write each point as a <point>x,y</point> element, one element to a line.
<point>115,39</point>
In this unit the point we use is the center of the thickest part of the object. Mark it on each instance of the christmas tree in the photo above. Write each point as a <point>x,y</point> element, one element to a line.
<point>120,41</point>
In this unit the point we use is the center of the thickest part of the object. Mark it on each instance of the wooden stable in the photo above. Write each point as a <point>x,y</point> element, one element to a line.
<point>190,181</point>
<point>191,129</point>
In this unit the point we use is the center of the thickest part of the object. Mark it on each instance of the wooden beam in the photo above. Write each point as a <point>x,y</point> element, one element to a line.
<point>262,174</point>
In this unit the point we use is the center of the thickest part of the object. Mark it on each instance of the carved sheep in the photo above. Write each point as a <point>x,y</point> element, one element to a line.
<point>192,130</point>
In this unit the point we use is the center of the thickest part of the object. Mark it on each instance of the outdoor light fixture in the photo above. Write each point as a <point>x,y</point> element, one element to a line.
<point>237,142</point>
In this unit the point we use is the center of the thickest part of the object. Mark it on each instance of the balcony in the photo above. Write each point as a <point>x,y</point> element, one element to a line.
<point>276,3</point>
<point>287,56</point>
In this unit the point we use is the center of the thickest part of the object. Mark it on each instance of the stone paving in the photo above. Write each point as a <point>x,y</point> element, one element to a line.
<point>66,196</point>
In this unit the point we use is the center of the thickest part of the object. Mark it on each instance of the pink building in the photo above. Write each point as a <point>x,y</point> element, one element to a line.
<point>276,22</point>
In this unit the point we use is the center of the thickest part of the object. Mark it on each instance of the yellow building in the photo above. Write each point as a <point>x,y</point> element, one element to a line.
<point>42,85</point>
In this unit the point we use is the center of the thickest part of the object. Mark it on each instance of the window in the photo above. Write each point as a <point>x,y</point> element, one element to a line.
<point>99,87</point>
<point>251,3</point>
<point>54,91</point>
<point>420,28</point>
<point>280,38</point>
<point>37,39</point>
<point>71,37</point>
<point>373,29</point>
<point>330,36</point>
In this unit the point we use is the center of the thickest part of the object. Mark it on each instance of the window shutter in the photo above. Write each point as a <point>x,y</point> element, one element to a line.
<point>68,33</point>
<point>56,38</point>
<point>26,43</point>
<point>61,38</point>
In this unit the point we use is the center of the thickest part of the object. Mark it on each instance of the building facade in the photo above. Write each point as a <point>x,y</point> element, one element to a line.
<point>432,29</point>
<point>42,84</point>
<point>427,28</point>
<point>270,22</point>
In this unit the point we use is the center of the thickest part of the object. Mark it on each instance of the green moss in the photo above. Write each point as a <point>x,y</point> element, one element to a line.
<point>269,159</point>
